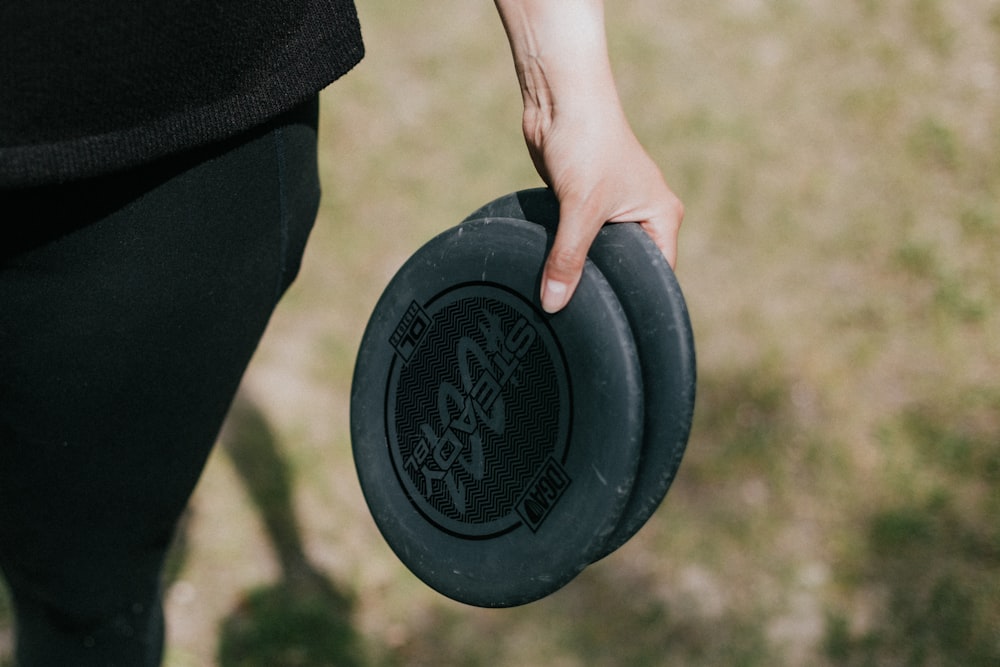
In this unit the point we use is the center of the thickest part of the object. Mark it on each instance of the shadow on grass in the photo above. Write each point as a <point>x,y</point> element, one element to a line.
<point>609,615</point>
<point>611,622</point>
<point>935,555</point>
<point>304,620</point>
<point>941,589</point>
<point>604,617</point>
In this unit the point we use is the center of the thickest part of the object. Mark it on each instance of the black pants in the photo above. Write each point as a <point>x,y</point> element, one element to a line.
<point>129,309</point>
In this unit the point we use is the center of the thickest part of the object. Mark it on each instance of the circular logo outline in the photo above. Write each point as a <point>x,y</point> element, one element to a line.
<point>482,399</point>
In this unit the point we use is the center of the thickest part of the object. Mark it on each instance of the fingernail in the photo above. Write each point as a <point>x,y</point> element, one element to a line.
<point>554,296</point>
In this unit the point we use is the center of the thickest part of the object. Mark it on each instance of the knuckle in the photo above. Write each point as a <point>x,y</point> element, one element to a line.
<point>564,262</point>
<point>674,208</point>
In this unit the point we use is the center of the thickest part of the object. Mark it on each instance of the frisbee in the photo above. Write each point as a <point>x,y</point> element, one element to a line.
<point>658,318</point>
<point>496,445</point>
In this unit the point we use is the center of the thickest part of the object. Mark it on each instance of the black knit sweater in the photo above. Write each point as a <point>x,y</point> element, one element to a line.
<point>88,87</point>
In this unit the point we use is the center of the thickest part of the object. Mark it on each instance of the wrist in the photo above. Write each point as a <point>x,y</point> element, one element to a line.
<point>560,53</point>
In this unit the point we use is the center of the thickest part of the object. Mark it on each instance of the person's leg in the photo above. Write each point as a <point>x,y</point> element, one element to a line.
<point>123,338</point>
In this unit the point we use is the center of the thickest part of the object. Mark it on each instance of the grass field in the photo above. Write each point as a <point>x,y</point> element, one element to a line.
<point>838,504</point>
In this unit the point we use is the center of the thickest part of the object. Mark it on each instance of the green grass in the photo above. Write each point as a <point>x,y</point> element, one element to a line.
<point>838,501</point>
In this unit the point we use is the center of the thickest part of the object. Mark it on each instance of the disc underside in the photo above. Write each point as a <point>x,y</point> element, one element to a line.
<point>496,445</point>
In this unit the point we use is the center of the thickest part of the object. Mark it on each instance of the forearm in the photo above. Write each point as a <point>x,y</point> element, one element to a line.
<point>560,55</point>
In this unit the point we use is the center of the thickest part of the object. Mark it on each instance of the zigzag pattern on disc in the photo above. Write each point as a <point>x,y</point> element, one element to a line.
<point>531,424</point>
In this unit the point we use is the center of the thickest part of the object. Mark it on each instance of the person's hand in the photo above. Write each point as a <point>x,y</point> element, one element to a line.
<point>579,139</point>
<point>599,173</point>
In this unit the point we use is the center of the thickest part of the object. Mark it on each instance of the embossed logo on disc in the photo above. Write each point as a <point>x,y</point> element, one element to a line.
<point>478,411</point>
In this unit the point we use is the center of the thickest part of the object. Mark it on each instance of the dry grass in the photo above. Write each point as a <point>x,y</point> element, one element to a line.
<point>839,164</point>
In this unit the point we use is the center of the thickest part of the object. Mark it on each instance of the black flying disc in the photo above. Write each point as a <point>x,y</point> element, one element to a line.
<point>496,445</point>
<point>654,305</point>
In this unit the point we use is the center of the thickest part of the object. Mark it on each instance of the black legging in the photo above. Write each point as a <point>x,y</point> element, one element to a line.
<point>129,309</point>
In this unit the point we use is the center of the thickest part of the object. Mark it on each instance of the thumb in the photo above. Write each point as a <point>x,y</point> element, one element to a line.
<point>564,264</point>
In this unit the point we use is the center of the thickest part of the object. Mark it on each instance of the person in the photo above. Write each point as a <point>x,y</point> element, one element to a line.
<point>158,183</point>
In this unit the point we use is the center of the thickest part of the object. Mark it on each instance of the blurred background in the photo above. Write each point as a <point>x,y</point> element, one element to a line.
<point>839,500</point>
